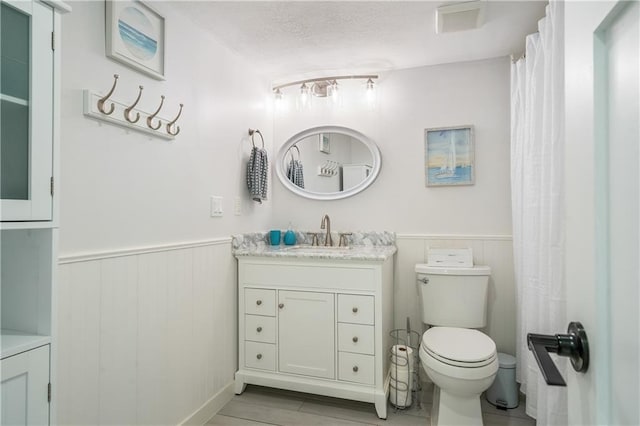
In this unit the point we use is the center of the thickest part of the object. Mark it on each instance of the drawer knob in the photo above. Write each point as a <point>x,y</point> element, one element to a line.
<point>259,356</point>
<point>355,368</point>
<point>259,329</point>
<point>355,339</point>
<point>281,305</point>
<point>355,310</point>
<point>258,302</point>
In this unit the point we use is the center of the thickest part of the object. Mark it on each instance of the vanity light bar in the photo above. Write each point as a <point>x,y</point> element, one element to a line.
<point>276,89</point>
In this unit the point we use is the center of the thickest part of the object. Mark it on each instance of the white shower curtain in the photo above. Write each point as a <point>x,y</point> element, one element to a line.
<point>537,186</point>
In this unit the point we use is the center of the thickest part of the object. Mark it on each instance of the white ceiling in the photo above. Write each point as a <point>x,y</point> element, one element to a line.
<point>300,39</point>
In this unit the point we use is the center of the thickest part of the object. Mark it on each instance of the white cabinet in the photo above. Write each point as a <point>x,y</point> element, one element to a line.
<point>26,122</point>
<point>29,148</point>
<point>316,325</point>
<point>25,388</point>
<point>306,327</point>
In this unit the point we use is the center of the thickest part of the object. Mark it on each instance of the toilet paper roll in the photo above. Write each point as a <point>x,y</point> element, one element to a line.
<point>401,375</point>
<point>402,355</point>
<point>399,397</point>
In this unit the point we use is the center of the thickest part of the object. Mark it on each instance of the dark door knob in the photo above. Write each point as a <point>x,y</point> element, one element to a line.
<point>574,345</point>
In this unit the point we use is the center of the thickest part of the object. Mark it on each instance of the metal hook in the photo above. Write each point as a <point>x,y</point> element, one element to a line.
<point>102,100</point>
<point>152,116</point>
<point>251,133</point>
<point>169,125</point>
<point>127,112</point>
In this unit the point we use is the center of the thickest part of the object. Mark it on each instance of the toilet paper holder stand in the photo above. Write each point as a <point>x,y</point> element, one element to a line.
<point>404,359</point>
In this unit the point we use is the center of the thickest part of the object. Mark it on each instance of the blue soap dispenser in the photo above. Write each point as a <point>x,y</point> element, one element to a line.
<point>289,236</point>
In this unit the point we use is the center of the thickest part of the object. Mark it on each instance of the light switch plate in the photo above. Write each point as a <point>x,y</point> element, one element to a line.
<point>237,206</point>
<point>216,206</point>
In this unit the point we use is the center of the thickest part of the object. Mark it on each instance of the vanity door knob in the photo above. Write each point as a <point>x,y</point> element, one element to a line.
<point>355,339</point>
<point>259,329</point>
<point>259,356</point>
<point>355,310</point>
<point>355,368</point>
<point>258,302</point>
<point>281,305</point>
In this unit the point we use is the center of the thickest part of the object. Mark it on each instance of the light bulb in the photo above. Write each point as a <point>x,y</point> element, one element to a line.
<point>335,92</point>
<point>304,95</point>
<point>371,92</point>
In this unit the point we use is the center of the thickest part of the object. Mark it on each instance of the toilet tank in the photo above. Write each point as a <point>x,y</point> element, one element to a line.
<point>453,296</point>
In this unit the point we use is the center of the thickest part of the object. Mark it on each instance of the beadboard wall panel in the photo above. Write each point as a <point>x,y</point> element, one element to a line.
<point>145,338</point>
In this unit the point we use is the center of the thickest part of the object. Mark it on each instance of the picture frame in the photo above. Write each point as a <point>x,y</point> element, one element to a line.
<point>135,36</point>
<point>324,143</point>
<point>449,156</point>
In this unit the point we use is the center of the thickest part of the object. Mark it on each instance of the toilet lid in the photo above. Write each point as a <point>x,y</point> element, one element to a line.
<point>459,345</point>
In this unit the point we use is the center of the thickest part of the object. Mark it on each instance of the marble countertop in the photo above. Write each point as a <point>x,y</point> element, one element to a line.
<point>371,246</point>
<point>371,253</point>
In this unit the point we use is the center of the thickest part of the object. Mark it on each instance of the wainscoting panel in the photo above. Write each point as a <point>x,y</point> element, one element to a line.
<point>145,336</point>
<point>495,251</point>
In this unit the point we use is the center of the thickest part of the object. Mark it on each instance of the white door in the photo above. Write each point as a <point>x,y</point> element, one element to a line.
<point>306,333</point>
<point>602,195</point>
<point>25,379</point>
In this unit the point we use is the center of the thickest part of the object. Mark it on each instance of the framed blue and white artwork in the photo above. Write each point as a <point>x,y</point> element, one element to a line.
<point>449,158</point>
<point>135,36</point>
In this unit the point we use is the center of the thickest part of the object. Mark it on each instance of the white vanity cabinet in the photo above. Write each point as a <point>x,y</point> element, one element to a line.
<point>316,325</point>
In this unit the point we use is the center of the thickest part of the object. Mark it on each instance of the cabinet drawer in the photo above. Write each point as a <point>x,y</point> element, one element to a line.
<point>260,355</point>
<point>355,309</point>
<point>260,328</point>
<point>259,301</point>
<point>356,368</point>
<point>356,338</point>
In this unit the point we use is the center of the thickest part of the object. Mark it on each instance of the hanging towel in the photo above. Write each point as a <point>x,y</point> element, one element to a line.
<point>257,173</point>
<point>295,173</point>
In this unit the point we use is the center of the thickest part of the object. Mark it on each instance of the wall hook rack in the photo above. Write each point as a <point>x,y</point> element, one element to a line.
<point>104,108</point>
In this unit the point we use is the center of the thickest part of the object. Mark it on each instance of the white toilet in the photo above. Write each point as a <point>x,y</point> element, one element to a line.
<point>461,362</point>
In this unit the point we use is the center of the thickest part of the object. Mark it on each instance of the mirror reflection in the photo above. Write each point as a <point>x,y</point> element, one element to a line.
<point>328,162</point>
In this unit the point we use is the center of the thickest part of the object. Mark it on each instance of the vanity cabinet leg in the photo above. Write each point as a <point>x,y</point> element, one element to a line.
<point>381,406</point>
<point>240,384</point>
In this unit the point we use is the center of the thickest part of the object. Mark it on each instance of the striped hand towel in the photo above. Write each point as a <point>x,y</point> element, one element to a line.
<point>257,174</point>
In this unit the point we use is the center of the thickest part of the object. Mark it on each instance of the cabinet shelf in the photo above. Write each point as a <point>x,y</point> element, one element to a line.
<point>14,100</point>
<point>13,342</point>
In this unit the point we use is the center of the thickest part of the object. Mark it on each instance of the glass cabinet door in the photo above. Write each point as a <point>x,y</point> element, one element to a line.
<point>26,111</point>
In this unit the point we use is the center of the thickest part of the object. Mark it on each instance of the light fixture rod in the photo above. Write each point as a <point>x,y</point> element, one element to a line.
<point>315,80</point>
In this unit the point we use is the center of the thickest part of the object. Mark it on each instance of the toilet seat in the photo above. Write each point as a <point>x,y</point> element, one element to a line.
<point>459,347</point>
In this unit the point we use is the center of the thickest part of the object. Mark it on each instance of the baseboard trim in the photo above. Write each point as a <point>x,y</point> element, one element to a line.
<point>211,407</point>
<point>84,257</point>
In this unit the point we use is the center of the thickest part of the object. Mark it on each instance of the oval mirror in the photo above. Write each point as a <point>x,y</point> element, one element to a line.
<point>328,163</point>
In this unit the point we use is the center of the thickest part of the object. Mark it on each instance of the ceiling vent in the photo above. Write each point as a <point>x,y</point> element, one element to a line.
<point>460,16</point>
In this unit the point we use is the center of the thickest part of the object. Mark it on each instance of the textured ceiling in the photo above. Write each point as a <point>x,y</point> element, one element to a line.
<point>291,39</point>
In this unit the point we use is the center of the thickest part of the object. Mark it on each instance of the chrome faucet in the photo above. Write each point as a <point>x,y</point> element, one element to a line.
<point>326,221</point>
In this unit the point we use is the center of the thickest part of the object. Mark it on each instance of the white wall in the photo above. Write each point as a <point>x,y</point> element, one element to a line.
<point>146,325</point>
<point>122,188</point>
<point>409,101</point>
<point>478,216</point>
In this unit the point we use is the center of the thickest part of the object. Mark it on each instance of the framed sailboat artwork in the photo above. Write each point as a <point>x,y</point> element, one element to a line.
<point>449,158</point>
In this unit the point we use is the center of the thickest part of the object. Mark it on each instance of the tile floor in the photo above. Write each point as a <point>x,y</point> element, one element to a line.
<point>265,406</point>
